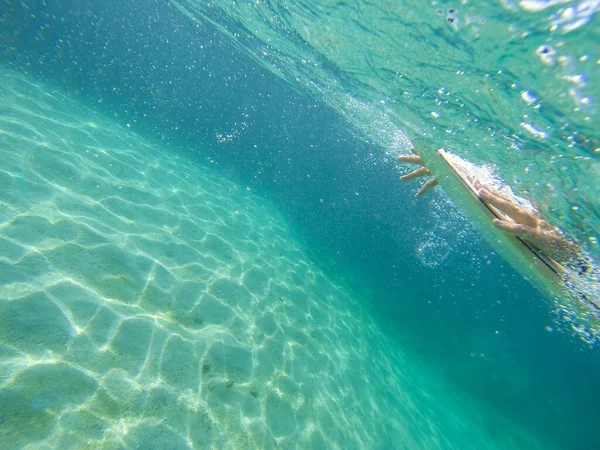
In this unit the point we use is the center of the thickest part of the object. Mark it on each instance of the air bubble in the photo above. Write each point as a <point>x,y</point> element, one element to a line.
<point>528,97</point>
<point>546,54</point>
<point>452,19</point>
<point>432,253</point>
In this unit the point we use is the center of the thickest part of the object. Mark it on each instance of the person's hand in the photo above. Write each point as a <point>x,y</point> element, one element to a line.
<point>513,218</point>
<point>528,225</point>
<point>423,171</point>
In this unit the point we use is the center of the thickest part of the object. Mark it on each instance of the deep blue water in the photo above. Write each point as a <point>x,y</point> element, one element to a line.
<point>467,316</point>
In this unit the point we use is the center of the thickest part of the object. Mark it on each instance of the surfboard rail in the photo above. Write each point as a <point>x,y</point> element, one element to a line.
<point>541,270</point>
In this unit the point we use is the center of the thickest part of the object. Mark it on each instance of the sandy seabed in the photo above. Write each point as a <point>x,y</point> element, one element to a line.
<point>146,302</point>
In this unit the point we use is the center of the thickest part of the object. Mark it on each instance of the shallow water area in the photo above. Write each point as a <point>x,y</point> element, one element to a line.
<point>148,302</point>
<point>204,242</point>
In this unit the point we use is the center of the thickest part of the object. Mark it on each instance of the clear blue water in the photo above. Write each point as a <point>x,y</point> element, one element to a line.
<point>292,114</point>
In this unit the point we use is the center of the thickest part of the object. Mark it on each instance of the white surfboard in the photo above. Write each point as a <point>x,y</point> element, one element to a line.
<point>454,175</point>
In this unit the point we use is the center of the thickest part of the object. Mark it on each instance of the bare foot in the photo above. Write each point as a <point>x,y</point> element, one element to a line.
<point>423,171</point>
<point>513,218</point>
<point>528,225</point>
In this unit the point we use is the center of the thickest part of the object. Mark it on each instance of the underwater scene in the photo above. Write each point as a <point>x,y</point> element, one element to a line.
<point>278,224</point>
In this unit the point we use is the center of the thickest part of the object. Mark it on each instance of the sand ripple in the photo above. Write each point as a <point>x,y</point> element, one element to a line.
<point>146,302</point>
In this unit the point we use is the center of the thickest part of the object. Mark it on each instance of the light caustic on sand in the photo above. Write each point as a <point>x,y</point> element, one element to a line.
<point>147,302</point>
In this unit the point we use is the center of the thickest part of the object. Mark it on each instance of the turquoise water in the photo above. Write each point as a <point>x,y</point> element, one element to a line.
<point>150,303</point>
<point>204,243</point>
